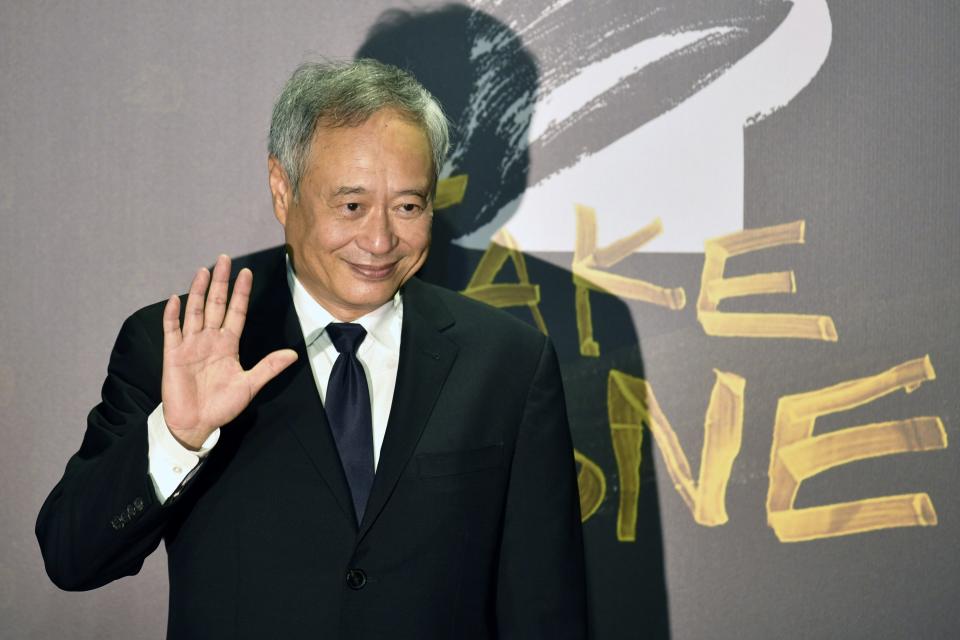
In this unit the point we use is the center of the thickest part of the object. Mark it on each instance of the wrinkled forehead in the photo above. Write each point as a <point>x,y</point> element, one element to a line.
<point>386,150</point>
<point>338,122</point>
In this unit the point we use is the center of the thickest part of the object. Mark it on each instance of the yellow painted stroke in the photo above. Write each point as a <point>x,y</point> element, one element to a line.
<point>505,295</point>
<point>796,454</point>
<point>714,288</point>
<point>811,456</point>
<point>848,518</point>
<point>619,249</point>
<point>481,287</point>
<point>588,262</point>
<point>587,258</point>
<point>768,325</point>
<point>631,403</point>
<point>588,346</point>
<point>592,485</point>
<point>450,191</point>
<point>631,288</point>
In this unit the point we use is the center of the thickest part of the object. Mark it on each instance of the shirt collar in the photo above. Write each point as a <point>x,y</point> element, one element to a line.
<point>383,323</point>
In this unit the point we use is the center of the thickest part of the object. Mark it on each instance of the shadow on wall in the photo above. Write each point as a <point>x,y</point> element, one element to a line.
<point>488,83</point>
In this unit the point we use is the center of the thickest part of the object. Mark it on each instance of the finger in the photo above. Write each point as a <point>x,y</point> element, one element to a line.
<point>217,294</point>
<point>237,311</point>
<point>269,368</point>
<point>171,324</point>
<point>193,318</point>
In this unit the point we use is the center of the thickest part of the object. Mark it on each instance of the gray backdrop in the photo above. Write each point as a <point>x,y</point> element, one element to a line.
<point>133,140</point>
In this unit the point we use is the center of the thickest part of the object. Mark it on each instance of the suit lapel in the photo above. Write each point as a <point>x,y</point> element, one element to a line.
<point>426,356</point>
<point>292,397</point>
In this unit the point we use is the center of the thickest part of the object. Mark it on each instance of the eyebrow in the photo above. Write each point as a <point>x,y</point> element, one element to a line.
<point>345,190</point>
<point>351,190</point>
<point>413,192</point>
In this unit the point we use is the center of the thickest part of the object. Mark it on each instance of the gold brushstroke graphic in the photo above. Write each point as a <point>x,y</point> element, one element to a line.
<point>450,191</point>
<point>631,404</point>
<point>523,293</point>
<point>797,454</point>
<point>592,485</point>
<point>714,288</point>
<point>588,260</point>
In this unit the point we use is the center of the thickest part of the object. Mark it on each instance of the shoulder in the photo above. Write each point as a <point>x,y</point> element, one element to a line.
<point>469,321</point>
<point>144,324</point>
<point>268,267</point>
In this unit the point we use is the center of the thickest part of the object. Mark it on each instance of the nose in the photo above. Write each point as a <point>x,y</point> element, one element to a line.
<point>376,234</point>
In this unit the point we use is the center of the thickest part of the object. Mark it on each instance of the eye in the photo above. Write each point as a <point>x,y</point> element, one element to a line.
<point>351,209</point>
<point>409,208</point>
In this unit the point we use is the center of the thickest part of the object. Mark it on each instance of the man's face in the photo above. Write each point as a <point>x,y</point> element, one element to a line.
<point>361,226</point>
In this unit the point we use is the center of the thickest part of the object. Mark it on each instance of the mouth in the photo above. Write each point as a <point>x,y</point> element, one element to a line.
<point>373,272</point>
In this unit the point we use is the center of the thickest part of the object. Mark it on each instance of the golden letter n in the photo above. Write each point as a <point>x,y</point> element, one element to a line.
<point>631,403</point>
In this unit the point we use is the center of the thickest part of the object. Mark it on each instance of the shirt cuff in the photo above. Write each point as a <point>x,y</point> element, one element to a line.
<point>170,463</point>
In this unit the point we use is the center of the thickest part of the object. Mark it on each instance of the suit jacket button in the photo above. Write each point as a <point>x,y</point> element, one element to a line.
<point>356,579</point>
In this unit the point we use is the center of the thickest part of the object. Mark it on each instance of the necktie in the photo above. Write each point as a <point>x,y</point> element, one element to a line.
<point>348,411</point>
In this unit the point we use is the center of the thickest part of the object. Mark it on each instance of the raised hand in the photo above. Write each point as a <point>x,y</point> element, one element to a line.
<point>203,386</point>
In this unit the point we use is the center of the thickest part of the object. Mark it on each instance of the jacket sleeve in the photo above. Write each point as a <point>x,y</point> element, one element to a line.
<point>103,518</point>
<point>541,590</point>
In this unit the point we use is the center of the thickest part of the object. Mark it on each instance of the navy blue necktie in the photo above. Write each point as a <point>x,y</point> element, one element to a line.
<point>348,411</point>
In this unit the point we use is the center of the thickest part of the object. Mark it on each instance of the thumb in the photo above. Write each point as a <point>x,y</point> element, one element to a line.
<point>269,368</point>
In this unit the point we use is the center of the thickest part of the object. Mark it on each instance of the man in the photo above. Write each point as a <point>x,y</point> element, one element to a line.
<point>337,450</point>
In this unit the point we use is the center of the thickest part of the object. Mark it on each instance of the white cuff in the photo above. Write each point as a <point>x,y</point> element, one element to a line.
<point>170,462</point>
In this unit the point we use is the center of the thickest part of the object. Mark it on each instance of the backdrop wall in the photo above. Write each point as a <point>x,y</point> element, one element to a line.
<point>737,220</point>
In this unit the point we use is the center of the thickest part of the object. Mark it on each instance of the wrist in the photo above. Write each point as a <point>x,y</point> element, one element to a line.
<point>192,439</point>
<point>193,442</point>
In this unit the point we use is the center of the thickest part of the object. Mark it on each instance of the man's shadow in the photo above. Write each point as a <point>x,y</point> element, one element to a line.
<point>487,82</point>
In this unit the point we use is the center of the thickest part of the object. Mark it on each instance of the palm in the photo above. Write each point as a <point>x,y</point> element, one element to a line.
<point>204,387</point>
<point>203,382</point>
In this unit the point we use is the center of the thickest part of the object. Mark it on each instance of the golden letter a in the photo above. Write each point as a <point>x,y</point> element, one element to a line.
<point>481,286</point>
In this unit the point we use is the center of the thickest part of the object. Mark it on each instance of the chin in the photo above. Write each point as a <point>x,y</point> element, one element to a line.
<point>372,298</point>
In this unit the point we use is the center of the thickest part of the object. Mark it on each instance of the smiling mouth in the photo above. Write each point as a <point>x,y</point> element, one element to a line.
<point>372,271</point>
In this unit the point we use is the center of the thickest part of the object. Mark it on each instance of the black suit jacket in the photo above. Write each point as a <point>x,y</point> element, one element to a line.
<point>471,531</point>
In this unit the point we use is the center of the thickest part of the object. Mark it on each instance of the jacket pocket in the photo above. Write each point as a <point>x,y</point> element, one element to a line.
<point>434,465</point>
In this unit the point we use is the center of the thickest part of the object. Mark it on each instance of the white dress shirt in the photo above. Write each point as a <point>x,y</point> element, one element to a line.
<point>171,464</point>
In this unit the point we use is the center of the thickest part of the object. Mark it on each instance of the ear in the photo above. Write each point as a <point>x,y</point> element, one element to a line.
<point>281,190</point>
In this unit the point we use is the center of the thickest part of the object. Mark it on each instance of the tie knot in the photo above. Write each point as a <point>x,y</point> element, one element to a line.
<point>346,336</point>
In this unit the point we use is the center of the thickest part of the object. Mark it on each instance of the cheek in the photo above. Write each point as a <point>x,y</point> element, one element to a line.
<point>323,235</point>
<point>297,228</point>
<point>417,235</point>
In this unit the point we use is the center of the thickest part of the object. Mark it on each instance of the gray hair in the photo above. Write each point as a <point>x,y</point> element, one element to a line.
<point>346,94</point>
